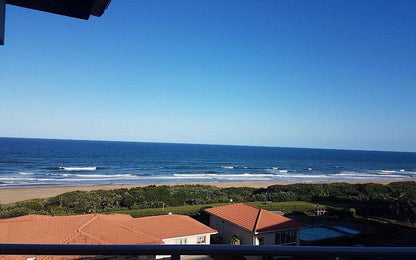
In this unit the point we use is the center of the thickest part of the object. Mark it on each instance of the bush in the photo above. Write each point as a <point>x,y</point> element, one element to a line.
<point>395,200</point>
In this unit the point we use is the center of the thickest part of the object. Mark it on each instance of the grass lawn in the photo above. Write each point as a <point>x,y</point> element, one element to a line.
<point>184,210</point>
<point>287,207</point>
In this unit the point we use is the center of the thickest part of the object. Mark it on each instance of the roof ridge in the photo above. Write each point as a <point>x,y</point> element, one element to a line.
<point>24,218</point>
<point>95,216</point>
<point>122,225</point>
<point>158,216</point>
<point>227,205</point>
<point>79,229</point>
<point>89,235</point>
<point>133,230</point>
<point>249,205</point>
<point>256,223</point>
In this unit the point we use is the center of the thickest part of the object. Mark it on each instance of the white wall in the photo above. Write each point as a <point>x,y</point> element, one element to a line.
<point>190,240</point>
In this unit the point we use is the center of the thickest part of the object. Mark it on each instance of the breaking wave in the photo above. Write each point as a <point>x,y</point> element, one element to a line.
<point>386,171</point>
<point>26,173</point>
<point>78,168</point>
<point>75,169</point>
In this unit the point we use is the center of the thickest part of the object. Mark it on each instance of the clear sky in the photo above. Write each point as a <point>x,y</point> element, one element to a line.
<point>330,74</point>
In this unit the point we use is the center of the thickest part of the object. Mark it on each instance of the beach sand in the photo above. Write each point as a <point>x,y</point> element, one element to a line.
<point>10,195</point>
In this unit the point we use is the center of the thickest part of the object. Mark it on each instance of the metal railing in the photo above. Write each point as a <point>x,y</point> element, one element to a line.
<point>226,250</point>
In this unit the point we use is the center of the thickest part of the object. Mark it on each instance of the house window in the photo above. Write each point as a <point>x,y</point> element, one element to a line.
<point>261,241</point>
<point>286,238</point>
<point>201,240</point>
<point>180,241</point>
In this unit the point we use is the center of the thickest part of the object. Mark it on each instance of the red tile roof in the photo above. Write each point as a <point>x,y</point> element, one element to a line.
<point>78,229</point>
<point>169,226</point>
<point>253,218</point>
<point>96,229</point>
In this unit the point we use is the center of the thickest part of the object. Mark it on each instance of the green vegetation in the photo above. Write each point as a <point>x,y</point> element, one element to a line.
<point>395,201</point>
<point>288,207</point>
<point>184,210</point>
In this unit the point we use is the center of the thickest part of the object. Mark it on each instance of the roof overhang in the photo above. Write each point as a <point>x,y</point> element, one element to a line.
<point>81,9</point>
<point>276,230</point>
<point>2,20</point>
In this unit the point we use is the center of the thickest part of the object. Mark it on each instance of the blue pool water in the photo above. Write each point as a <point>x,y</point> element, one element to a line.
<point>347,230</point>
<point>318,233</point>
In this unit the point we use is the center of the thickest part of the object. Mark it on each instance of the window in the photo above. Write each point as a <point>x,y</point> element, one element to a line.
<point>286,238</point>
<point>261,241</point>
<point>201,240</point>
<point>180,241</point>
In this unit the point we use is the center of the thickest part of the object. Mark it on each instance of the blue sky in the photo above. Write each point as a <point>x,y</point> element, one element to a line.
<point>330,74</point>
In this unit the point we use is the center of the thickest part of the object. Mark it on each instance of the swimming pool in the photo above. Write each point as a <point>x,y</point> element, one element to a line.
<point>322,232</point>
<point>347,230</point>
<point>318,233</point>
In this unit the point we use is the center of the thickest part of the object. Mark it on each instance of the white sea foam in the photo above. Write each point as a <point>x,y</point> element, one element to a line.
<point>369,175</point>
<point>302,176</point>
<point>386,171</point>
<point>275,168</point>
<point>16,179</point>
<point>78,168</point>
<point>26,173</point>
<point>243,176</point>
<point>290,175</point>
<point>106,176</point>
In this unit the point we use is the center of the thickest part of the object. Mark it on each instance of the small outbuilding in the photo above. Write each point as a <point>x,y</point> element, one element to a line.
<point>245,224</point>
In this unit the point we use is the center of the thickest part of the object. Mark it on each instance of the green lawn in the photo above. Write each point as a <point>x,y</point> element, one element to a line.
<point>184,210</point>
<point>287,207</point>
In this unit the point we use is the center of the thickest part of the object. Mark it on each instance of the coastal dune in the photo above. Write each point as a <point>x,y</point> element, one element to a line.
<point>10,195</point>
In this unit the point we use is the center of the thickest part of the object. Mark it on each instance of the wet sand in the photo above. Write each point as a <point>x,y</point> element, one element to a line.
<point>10,195</point>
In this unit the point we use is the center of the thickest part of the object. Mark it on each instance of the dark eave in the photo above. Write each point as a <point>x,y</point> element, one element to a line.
<point>74,8</point>
<point>81,9</point>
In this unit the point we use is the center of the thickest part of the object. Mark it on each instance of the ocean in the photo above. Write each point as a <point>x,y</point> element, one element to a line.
<point>43,162</point>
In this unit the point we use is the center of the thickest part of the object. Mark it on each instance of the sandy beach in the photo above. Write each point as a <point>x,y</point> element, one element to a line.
<point>10,195</point>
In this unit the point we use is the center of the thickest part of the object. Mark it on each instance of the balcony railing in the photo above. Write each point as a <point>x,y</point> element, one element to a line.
<point>225,250</point>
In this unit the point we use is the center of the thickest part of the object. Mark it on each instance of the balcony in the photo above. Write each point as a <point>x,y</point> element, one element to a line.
<point>222,251</point>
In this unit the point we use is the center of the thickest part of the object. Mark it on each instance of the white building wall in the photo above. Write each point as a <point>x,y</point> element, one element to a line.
<point>190,240</point>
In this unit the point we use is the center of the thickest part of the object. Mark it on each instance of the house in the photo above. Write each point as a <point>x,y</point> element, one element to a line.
<point>253,226</point>
<point>173,229</point>
<point>102,229</point>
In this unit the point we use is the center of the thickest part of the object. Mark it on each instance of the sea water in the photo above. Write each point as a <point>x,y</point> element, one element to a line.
<point>42,162</point>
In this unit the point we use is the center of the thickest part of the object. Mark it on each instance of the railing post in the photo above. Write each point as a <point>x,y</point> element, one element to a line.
<point>2,20</point>
<point>175,257</point>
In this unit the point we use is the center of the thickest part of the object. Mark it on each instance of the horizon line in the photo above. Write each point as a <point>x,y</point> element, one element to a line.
<point>213,144</point>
